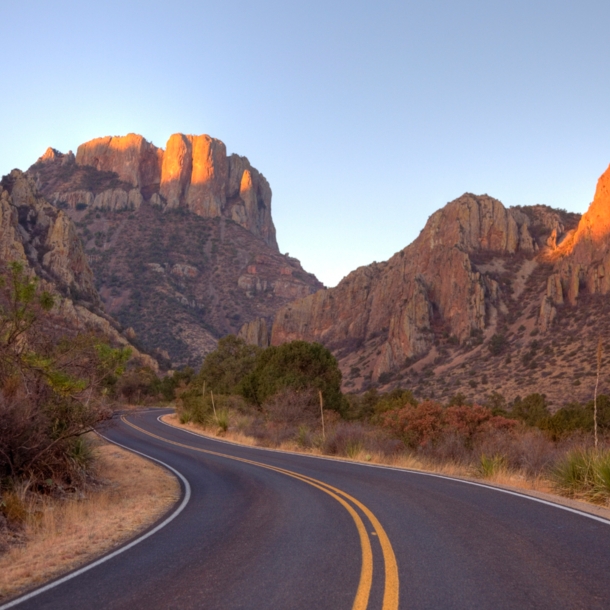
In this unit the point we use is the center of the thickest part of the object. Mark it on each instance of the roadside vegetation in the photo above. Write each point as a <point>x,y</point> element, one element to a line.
<point>56,386</point>
<point>279,397</point>
<point>57,533</point>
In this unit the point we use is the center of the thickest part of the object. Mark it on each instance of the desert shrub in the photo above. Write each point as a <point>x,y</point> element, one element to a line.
<point>458,400</point>
<point>429,424</point>
<point>304,437</point>
<point>53,387</point>
<point>13,507</point>
<point>225,368</point>
<point>417,425</point>
<point>497,403</point>
<point>293,407</point>
<point>223,418</point>
<point>396,399</point>
<point>567,420</point>
<point>491,465</point>
<point>469,420</point>
<point>497,344</point>
<point>347,439</point>
<point>138,384</point>
<point>584,473</point>
<point>524,449</point>
<point>532,410</point>
<point>448,448</point>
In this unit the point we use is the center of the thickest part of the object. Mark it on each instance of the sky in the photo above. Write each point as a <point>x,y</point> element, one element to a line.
<point>365,116</point>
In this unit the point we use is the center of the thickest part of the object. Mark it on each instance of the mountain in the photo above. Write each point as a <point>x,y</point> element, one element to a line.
<point>486,299</point>
<point>44,241</point>
<point>181,241</point>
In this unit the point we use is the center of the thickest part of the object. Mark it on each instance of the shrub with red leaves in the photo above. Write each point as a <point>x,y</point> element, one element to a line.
<point>424,424</point>
<point>417,425</point>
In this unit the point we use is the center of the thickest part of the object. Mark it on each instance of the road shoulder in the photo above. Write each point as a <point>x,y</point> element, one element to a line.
<point>67,534</point>
<point>586,507</point>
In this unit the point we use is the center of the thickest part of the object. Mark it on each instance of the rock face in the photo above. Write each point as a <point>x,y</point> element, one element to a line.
<point>478,276</point>
<point>584,258</point>
<point>44,240</point>
<point>192,173</point>
<point>431,283</point>
<point>181,241</point>
<point>36,234</point>
<point>135,160</point>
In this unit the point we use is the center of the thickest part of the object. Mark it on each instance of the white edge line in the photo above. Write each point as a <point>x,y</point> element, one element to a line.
<point>397,469</point>
<point>55,583</point>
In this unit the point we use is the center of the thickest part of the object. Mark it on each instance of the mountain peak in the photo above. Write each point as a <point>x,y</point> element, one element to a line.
<point>193,172</point>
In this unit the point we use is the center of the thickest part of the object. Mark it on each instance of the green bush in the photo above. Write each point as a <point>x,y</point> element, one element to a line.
<point>531,410</point>
<point>297,365</point>
<point>497,344</point>
<point>225,368</point>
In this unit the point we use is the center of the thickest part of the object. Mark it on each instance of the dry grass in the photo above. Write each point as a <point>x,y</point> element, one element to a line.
<point>409,461</point>
<point>60,534</point>
<point>518,480</point>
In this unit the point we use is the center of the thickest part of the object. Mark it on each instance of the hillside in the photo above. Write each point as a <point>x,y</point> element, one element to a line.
<point>44,241</point>
<point>486,299</point>
<point>180,241</point>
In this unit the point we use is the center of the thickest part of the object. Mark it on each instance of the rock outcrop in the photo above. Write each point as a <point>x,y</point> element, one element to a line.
<point>392,313</point>
<point>193,173</point>
<point>43,239</point>
<point>39,235</point>
<point>181,240</point>
<point>134,159</point>
<point>584,258</point>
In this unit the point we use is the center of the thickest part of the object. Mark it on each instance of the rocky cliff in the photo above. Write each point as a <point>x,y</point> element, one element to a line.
<point>192,173</point>
<point>431,283</point>
<point>181,241</point>
<point>44,240</point>
<point>36,234</point>
<point>485,299</point>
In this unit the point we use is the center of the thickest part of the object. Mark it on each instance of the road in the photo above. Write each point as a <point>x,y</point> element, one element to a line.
<point>260,529</point>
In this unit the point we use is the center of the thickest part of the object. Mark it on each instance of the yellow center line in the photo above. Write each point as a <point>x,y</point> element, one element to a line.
<point>391,590</point>
<point>366,574</point>
<point>390,595</point>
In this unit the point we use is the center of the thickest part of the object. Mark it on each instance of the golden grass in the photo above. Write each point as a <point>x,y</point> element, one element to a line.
<point>63,534</point>
<point>538,486</point>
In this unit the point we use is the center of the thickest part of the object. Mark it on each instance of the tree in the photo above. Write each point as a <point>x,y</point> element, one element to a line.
<point>225,368</point>
<point>298,365</point>
<point>52,384</point>
<point>532,409</point>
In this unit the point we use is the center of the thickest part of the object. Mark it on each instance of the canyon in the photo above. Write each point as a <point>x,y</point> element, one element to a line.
<point>179,247</point>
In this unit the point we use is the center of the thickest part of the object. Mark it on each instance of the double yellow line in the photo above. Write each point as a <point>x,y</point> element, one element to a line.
<point>361,602</point>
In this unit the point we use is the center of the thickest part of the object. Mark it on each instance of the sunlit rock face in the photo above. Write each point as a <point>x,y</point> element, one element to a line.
<point>180,241</point>
<point>432,282</point>
<point>584,258</point>
<point>134,159</point>
<point>193,172</point>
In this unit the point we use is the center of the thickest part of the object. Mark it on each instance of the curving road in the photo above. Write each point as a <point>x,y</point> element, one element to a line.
<point>259,529</point>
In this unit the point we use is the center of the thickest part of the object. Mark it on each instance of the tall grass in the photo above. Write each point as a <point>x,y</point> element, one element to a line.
<point>491,465</point>
<point>584,473</point>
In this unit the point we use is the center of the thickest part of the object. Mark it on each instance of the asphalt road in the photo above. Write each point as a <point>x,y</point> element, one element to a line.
<point>267,530</point>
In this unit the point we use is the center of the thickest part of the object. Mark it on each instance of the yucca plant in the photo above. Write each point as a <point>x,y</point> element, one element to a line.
<point>584,473</point>
<point>491,465</point>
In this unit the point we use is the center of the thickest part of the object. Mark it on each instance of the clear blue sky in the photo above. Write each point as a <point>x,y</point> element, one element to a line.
<point>365,117</point>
